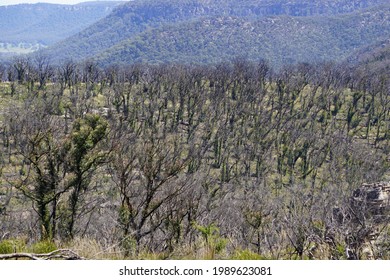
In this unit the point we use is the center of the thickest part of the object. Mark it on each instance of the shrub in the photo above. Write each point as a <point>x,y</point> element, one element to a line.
<point>10,246</point>
<point>43,247</point>
<point>247,255</point>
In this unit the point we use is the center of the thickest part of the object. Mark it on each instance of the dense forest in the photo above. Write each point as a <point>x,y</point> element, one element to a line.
<point>209,32</point>
<point>234,160</point>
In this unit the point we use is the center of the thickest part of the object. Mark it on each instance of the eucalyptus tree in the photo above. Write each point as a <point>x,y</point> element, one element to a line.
<point>51,163</point>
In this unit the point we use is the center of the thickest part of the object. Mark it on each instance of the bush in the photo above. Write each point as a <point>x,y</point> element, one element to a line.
<point>247,255</point>
<point>43,247</point>
<point>10,246</point>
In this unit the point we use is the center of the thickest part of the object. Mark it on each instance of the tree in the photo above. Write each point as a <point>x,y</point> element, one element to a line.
<point>84,155</point>
<point>3,69</point>
<point>38,139</point>
<point>68,75</point>
<point>21,66</point>
<point>53,163</point>
<point>43,69</point>
<point>146,169</point>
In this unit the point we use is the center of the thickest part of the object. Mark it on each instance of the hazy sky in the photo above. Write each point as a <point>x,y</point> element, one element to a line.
<point>13,2</point>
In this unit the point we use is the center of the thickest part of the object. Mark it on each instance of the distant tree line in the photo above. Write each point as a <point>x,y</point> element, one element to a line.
<point>221,159</point>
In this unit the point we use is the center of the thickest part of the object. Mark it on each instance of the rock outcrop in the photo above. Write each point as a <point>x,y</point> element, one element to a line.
<point>373,200</point>
<point>369,217</point>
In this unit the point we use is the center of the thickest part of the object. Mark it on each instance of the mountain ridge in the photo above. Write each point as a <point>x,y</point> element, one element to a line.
<point>133,36</point>
<point>43,24</point>
<point>288,32</point>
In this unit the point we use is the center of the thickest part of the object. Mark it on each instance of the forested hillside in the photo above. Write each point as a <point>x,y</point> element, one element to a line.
<point>28,27</point>
<point>214,31</point>
<point>234,160</point>
<point>281,40</point>
<point>373,59</point>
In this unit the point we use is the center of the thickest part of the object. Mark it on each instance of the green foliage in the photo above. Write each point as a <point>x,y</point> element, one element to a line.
<point>246,255</point>
<point>215,244</point>
<point>339,252</point>
<point>196,32</point>
<point>9,246</point>
<point>6,247</point>
<point>83,160</point>
<point>129,245</point>
<point>207,231</point>
<point>42,247</point>
<point>86,134</point>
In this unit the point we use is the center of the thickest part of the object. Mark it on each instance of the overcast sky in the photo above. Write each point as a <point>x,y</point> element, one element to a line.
<point>13,2</point>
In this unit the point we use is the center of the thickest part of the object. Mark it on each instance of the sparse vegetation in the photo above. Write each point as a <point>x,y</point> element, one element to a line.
<point>230,161</point>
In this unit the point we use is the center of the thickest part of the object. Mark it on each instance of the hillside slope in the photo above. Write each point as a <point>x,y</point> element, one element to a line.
<point>137,20</point>
<point>26,27</point>
<point>373,59</point>
<point>281,40</point>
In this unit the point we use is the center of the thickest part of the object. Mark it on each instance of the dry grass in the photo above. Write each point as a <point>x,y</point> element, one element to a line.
<point>91,249</point>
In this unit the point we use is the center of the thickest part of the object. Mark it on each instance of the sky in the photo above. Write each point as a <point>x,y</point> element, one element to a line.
<point>14,2</point>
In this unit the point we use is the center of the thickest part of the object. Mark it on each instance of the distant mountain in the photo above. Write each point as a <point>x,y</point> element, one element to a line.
<point>372,59</point>
<point>281,40</point>
<point>372,53</point>
<point>204,31</point>
<point>28,27</point>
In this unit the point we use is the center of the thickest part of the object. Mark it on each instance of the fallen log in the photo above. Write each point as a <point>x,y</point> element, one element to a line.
<point>60,254</point>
